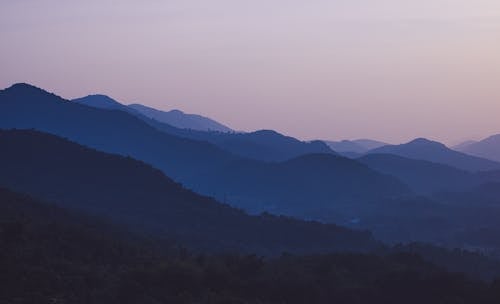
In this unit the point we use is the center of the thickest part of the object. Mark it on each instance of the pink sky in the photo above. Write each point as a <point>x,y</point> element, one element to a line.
<point>388,69</point>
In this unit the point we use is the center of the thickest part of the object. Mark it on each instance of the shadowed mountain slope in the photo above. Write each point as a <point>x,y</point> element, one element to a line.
<point>131,192</point>
<point>422,176</point>
<point>292,188</point>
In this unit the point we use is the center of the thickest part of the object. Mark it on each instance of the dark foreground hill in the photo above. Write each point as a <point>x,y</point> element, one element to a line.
<point>50,255</point>
<point>131,192</point>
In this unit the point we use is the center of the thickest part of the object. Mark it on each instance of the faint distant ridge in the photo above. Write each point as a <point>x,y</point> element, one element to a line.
<point>437,152</point>
<point>181,120</point>
<point>354,148</point>
<point>463,145</point>
<point>370,143</point>
<point>357,145</point>
<point>487,148</point>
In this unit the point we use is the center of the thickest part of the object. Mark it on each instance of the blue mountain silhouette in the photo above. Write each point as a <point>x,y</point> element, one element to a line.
<point>266,145</point>
<point>200,165</point>
<point>433,151</point>
<point>180,119</point>
<point>487,148</point>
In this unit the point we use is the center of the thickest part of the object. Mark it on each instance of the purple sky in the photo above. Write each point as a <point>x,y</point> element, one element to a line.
<point>388,69</point>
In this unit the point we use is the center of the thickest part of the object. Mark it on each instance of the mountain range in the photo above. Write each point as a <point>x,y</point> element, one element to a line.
<point>134,194</point>
<point>137,196</point>
<point>175,118</point>
<point>407,192</point>
<point>200,165</point>
<point>266,145</point>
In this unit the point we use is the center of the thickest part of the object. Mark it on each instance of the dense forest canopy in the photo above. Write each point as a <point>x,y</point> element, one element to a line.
<point>50,255</point>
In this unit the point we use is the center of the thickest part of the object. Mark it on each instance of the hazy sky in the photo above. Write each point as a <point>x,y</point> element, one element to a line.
<point>331,69</point>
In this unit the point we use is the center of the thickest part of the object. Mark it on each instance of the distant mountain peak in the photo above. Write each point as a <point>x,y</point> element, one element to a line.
<point>175,111</point>
<point>22,92</point>
<point>25,87</point>
<point>267,132</point>
<point>421,141</point>
<point>22,85</point>
<point>101,96</point>
<point>99,101</point>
